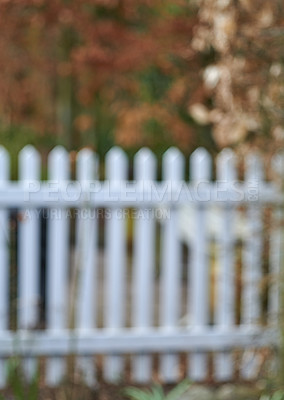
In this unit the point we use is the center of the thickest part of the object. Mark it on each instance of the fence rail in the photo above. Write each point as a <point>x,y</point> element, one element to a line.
<point>198,275</point>
<point>127,194</point>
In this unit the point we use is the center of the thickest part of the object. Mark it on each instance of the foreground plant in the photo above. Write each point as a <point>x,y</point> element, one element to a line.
<point>278,395</point>
<point>21,389</point>
<point>157,393</point>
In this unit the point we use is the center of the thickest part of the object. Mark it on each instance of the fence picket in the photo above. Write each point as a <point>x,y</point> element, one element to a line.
<point>170,301</point>
<point>252,262</point>
<point>79,333</point>
<point>4,260</point>
<point>86,263</point>
<point>57,263</point>
<point>200,170</point>
<point>144,258</point>
<point>276,254</point>
<point>225,302</point>
<point>115,269</point>
<point>29,252</point>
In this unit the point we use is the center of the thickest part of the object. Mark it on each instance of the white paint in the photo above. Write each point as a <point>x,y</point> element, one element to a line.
<point>225,301</point>
<point>4,260</point>
<point>29,253</point>
<point>57,265</point>
<point>252,262</point>
<point>144,264</point>
<point>115,268</point>
<point>170,301</point>
<point>198,289</point>
<point>114,340</point>
<point>86,264</point>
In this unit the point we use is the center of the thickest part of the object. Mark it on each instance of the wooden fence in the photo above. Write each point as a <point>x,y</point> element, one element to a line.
<point>125,277</point>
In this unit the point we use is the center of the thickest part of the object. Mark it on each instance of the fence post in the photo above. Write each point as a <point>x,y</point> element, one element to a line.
<point>225,299</point>
<point>4,259</point>
<point>86,256</point>
<point>57,262</point>
<point>200,170</point>
<point>115,272</point>
<point>29,252</point>
<point>252,261</point>
<point>276,257</point>
<point>170,301</point>
<point>144,264</point>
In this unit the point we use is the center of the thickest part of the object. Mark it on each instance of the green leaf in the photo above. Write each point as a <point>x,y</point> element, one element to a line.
<point>15,379</point>
<point>279,395</point>
<point>137,394</point>
<point>158,393</point>
<point>33,392</point>
<point>178,391</point>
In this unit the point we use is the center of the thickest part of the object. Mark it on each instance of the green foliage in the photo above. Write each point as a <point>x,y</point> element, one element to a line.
<point>21,390</point>
<point>157,392</point>
<point>278,395</point>
<point>174,9</point>
<point>153,84</point>
<point>103,134</point>
<point>15,137</point>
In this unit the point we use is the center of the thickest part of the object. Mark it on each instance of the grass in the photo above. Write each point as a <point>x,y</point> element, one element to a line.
<point>21,389</point>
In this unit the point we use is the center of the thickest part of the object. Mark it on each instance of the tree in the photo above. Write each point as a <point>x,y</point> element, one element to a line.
<point>81,69</point>
<point>245,79</point>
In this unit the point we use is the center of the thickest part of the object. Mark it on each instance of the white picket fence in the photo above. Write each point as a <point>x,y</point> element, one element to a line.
<point>145,304</point>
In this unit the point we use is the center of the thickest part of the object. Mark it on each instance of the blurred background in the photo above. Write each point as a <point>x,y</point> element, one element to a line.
<point>142,73</point>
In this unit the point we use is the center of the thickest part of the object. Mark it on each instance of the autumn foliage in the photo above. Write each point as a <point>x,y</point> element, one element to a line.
<point>155,73</point>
